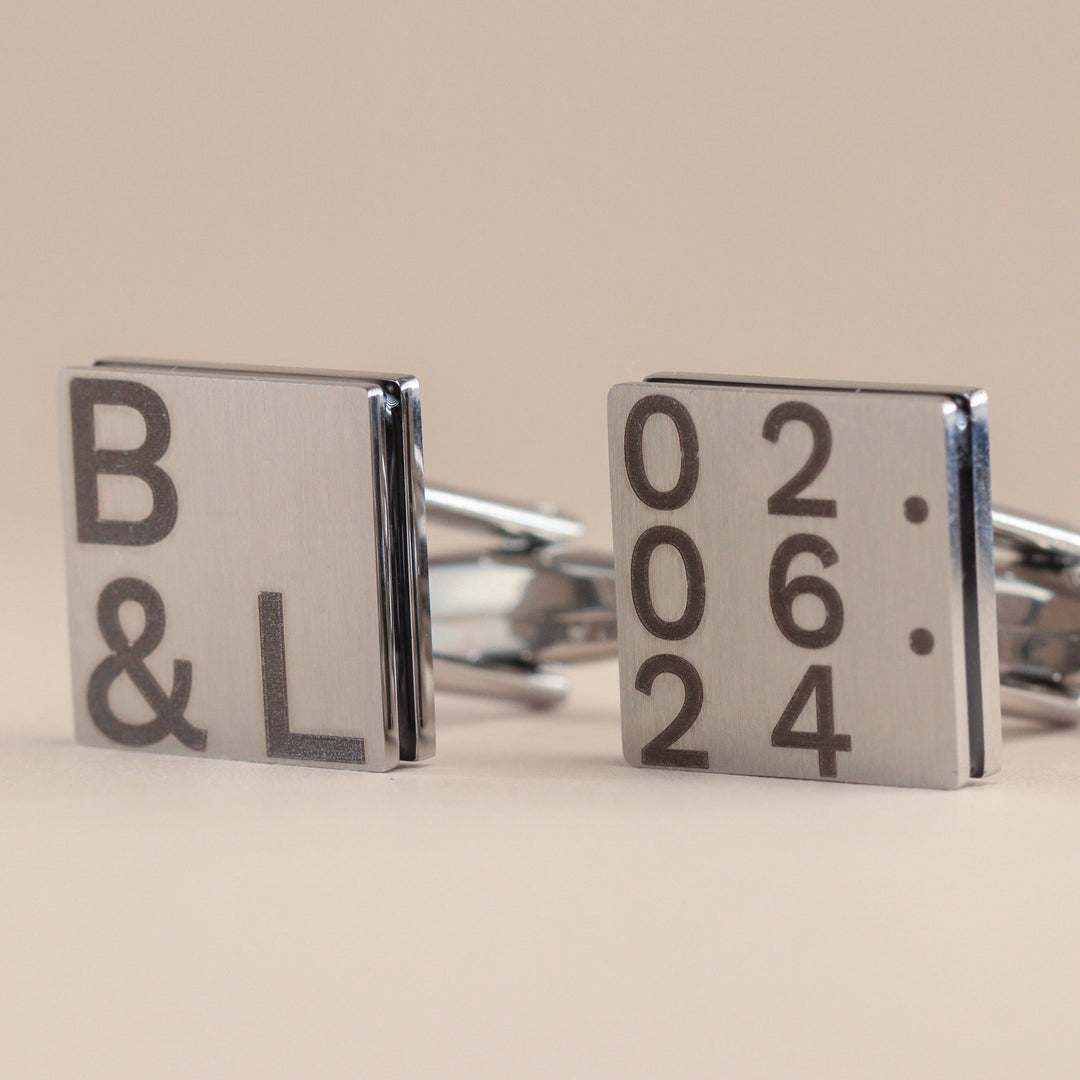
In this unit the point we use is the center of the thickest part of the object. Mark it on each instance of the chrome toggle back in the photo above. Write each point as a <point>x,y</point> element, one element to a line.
<point>1038,610</point>
<point>502,616</point>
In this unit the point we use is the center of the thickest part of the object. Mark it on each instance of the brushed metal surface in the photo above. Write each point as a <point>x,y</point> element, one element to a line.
<point>913,720</point>
<point>292,483</point>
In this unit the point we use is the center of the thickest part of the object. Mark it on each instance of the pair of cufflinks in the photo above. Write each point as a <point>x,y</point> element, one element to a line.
<point>808,579</point>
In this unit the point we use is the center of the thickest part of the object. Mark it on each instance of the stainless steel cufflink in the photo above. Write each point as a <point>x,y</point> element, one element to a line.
<point>248,573</point>
<point>807,581</point>
<point>806,576</point>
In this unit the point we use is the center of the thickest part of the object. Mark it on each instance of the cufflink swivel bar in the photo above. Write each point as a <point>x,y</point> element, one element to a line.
<point>1038,610</point>
<point>500,617</point>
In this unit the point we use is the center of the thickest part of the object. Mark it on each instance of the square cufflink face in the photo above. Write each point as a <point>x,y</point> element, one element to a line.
<point>247,563</point>
<point>805,582</point>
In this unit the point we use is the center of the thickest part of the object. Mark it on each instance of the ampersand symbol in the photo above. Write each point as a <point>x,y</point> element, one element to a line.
<point>127,657</point>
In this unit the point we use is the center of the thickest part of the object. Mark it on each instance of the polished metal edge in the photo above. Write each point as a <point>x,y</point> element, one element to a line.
<point>841,386</point>
<point>278,372</point>
<point>410,578</point>
<point>985,581</point>
<point>969,733</point>
<point>968,457</point>
<point>387,514</point>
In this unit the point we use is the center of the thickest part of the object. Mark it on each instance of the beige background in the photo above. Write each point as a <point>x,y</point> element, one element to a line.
<point>523,204</point>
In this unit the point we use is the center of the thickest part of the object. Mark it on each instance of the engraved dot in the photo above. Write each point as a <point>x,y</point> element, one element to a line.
<point>916,510</point>
<point>922,642</point>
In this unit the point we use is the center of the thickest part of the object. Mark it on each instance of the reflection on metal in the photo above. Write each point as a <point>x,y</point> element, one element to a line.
<point>1038,606</point>
<point>501,616</point>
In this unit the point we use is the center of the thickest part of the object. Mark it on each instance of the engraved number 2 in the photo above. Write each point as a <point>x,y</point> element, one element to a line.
<point>787,500</point>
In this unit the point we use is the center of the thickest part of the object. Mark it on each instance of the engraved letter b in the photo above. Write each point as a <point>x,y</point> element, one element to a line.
<point>90,462</point>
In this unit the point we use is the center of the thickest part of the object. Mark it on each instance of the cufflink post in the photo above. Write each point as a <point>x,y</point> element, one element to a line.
<point>1038,608</point>
<point>501,616</point>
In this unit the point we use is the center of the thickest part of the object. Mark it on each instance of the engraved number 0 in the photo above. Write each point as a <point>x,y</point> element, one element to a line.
<point>660,750</point>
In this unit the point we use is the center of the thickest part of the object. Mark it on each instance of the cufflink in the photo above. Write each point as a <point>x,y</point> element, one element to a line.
<point>808,585</point>
<point>248,573</point>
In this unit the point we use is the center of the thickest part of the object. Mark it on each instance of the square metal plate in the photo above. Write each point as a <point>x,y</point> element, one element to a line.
<point>805,579</point>
<point>247,563</point>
